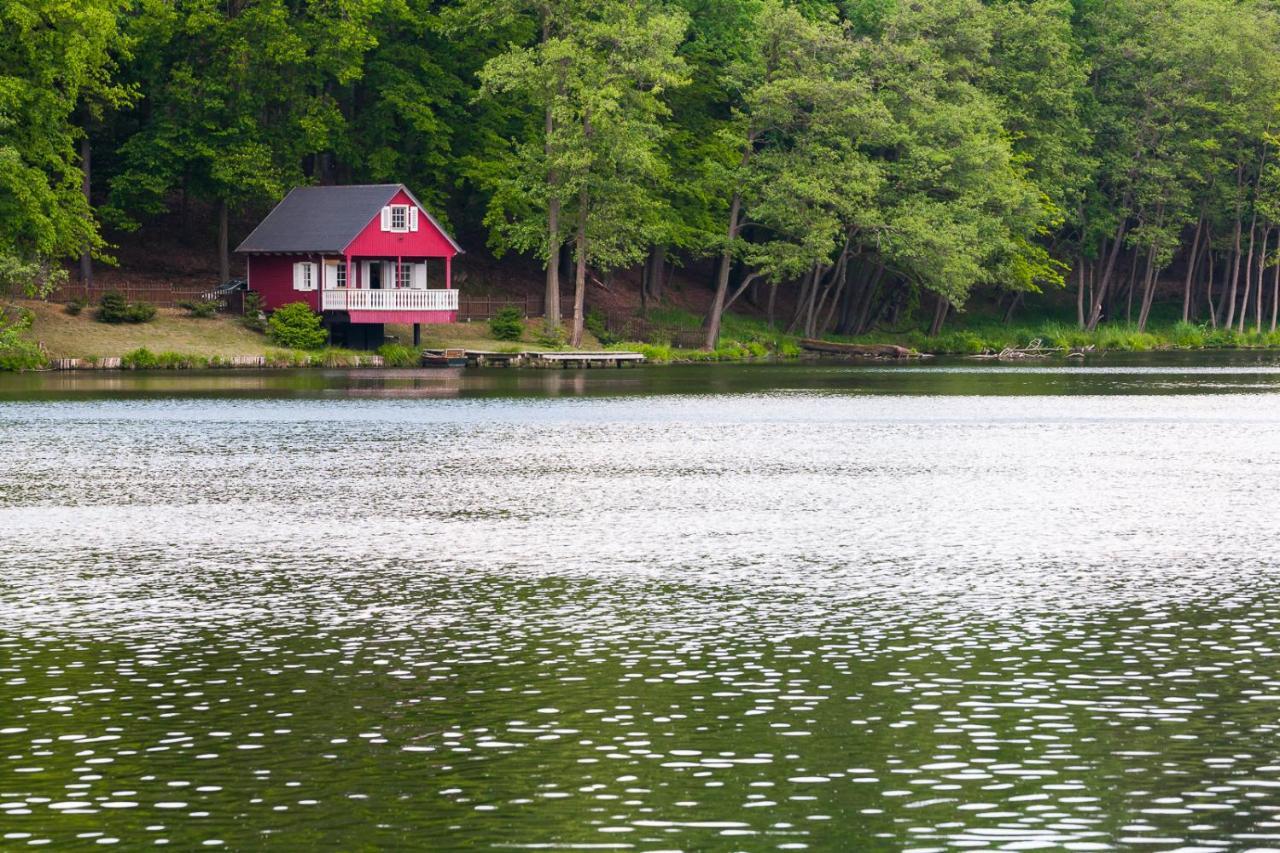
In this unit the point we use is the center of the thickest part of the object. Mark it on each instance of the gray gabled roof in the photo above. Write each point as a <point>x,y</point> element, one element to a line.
<point>324,219</point>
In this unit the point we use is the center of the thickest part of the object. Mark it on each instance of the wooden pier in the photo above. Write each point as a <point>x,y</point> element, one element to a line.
<point>553,360</point>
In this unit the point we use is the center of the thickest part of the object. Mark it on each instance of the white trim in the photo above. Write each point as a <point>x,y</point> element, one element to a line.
<point>386,218</point>
<point>403,211</point>
<point>404,299</point>
<point>413,217</point>
<point>418,279</point>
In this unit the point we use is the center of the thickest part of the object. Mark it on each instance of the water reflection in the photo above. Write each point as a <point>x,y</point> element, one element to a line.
<point>784,620</point>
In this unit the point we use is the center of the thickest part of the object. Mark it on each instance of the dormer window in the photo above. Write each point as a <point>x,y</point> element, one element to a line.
<point>400,218</point>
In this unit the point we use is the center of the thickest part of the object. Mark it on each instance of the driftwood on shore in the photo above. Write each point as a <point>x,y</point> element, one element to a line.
<point>1035,349</point>
<point>864,350</point>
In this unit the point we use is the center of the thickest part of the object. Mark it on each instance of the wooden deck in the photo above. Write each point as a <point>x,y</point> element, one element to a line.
<point>553,360</point>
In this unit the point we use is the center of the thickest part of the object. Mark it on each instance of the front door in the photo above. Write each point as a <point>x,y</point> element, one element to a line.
<point>375,276</point>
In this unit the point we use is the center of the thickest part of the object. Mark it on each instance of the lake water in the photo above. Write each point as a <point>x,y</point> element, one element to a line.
<point>944,606</point>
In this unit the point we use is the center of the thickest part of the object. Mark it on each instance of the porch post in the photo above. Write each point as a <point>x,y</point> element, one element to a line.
<point>448,272</point>
<point>350,283</point>
<point>395,278</point>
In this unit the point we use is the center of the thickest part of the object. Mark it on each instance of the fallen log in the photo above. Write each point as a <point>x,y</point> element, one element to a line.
<point>874,350</point>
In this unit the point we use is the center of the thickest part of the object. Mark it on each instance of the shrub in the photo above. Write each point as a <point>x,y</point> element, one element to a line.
<point>551,337</point>
<point>139,359</point>
<point>75,306</point>
<point>114,308</point>
<point>254,318</point>
<point>296,326</point>
<point>399,355</point>
<point>202,309</point>
<point>597,325</point>
<point>507,324</point>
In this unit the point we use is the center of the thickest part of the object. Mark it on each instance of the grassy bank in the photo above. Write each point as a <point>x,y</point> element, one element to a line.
<point>1117,337</point>
<point>749,337</point>
<point>175,340</point>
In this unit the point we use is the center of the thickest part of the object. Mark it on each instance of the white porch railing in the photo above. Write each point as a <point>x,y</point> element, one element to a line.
<point>400,299</point>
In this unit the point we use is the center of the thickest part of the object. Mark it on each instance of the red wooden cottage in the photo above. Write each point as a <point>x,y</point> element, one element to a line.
<point>360,255</point>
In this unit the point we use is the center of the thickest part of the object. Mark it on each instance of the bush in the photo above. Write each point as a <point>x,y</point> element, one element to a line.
<point>75,306</point>
<point>296,326</point>
<point>254,318</point>
<point>507,324</point>
<point>399,355</point>
<point>139,359</point>
<point>595,323</point>
<point>202,309</point>
<point>113,308</point>
<point>551,337</point>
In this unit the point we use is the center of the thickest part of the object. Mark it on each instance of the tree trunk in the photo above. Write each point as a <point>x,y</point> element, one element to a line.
<point>1080,292</point>
<point>655,267</point>
<point>773,300</point>
<point>1275,296</point>
<point>1235,276</point>
<point>802,301</point>
<point>551,295</point>
<point>224,257</point>
<point>1148,289</point>
<point>1014,303</point>
<point>1095,313</point>
<point>1248,274</point>
<point>580,273</point>
<point>868,299</point>
<point>726,260</point>
<point>940,312</point>
<point>1133,278</point>
<point>1262,265</point>
<point>1191,268</point>
<point>86,259</point>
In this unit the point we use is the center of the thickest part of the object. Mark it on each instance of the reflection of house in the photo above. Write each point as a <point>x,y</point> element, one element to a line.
<point>362,255</point>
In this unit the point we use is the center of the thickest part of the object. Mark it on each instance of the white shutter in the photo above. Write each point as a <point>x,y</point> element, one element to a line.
<point>420,276</point>
<point>297,275</point>
<point>386,218</point>
<point>330,275</point>
<point>413,217</point>
<point>364,274</point>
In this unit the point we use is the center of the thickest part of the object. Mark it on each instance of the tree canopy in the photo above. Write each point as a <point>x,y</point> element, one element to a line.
<point>866,158</point>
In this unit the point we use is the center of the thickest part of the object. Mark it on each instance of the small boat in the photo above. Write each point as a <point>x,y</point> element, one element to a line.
<point>444,358</point>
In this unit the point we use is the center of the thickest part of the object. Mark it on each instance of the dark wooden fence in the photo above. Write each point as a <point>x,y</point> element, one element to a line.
<point>632,328</point>
<point>485,307</point>
<point>163,297</point>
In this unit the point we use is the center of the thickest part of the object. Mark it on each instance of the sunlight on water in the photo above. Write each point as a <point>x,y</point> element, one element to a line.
<point>781,618</point>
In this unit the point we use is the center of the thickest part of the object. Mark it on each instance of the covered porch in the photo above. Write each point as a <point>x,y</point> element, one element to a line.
<point>389,290</point>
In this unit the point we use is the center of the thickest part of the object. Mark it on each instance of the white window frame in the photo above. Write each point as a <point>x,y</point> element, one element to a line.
<point>304,276</point>
<point>404,275</point>
<point>340,275</point>
<point>400,211</point>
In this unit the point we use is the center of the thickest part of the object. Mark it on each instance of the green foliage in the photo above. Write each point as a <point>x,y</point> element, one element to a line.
<point>58,77</point>
<point>75,306</point>
<point>203,309</point>
<point>255,319</point>
<point>399,355</point>
<point>551,337</point>
<point>296,326</point>
<point>16,351</point>
<point>144,359</point>
<point>114,308</point>
<point>595,322</point>
<point>507,324</point>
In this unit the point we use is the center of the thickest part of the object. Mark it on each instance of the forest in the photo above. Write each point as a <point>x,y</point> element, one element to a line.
<point>840,164</point>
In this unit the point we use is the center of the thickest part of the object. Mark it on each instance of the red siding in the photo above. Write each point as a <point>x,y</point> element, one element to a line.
<point>404,317</point>
<point>272,276</point>
<point>426,242</point>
